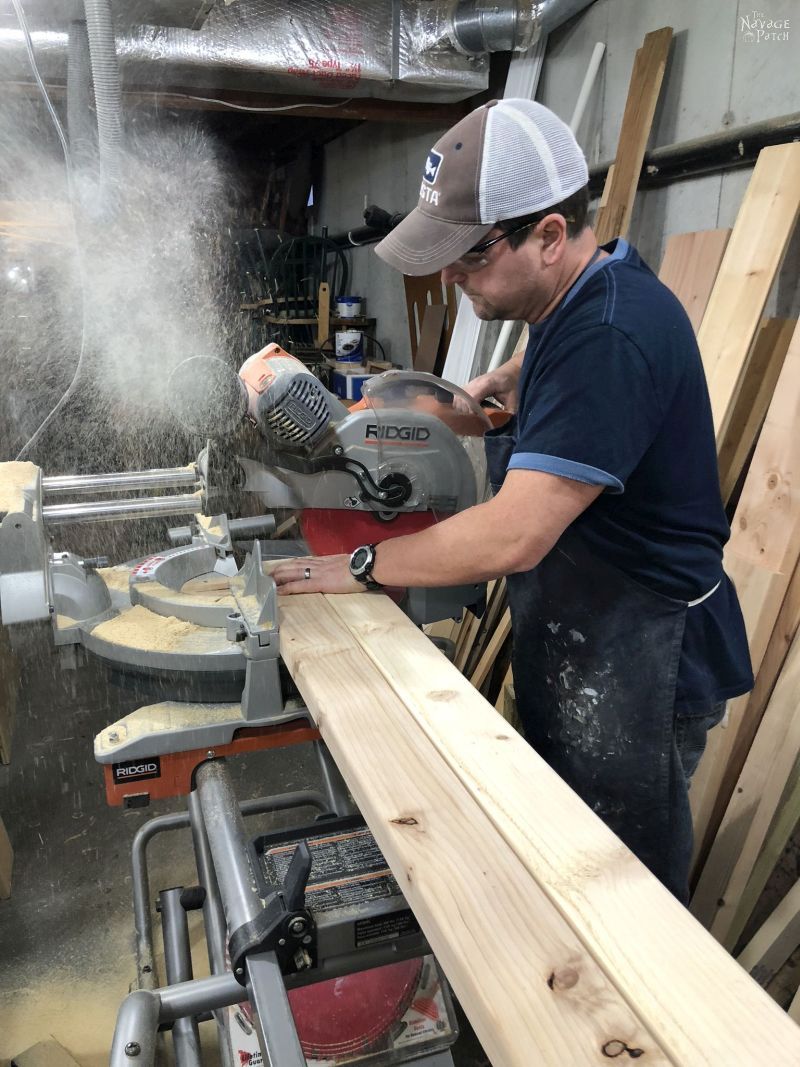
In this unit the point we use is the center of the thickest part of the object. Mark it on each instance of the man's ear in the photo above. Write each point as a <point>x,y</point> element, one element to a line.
<point>553,233</point>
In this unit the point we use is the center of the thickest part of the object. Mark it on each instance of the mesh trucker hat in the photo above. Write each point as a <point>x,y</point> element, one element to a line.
<point>505,159</point>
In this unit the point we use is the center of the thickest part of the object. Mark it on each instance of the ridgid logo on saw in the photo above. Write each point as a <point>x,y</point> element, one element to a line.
<point>407,435</point>
<point>142,768</point>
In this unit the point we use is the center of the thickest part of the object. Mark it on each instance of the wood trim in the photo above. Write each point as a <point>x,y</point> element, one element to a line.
<point>455,781</point>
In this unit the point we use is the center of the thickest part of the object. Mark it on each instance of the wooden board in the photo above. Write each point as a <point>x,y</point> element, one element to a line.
<point>775,941</point>
<point>614,215</point>
<point>754,802</point>
<point>761,375</point>
<point>531,990</point>
<point>455,781</point>
<point>760,558</point>
<point>689,268</point>
<point>428,356</point>
<point>755,251</point>
<point>6,863</point>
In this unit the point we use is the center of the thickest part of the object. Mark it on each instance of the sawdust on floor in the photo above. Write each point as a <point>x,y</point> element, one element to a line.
<point>141,628</point>
<point>14,477</point>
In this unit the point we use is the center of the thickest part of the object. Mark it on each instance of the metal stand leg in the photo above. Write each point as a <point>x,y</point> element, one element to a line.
<point>213,917</point>
<point>178,965</point>
<point>232,863</point>
<point>334,785</point>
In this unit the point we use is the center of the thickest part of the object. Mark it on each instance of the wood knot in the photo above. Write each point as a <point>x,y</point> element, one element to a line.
<point>772,481</point>
<point>615,1048</point>
<point>405,820</point>
<point>502,737</point>
<point>563,979</point>
<point>445,695</point>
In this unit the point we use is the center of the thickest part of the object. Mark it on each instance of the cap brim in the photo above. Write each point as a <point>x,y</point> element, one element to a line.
<point>422,245</point>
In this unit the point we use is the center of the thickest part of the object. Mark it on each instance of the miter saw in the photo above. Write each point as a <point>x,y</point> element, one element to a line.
<point>205,630</point>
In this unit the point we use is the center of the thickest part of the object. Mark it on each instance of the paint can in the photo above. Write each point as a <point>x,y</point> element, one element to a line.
<point>348,307</point>
<point>349,346</point>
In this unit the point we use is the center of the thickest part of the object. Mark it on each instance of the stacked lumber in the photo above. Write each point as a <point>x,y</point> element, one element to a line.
<point>560,945</point>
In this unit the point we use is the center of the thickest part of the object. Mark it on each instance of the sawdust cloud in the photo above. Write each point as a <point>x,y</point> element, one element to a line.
<point>154,285</point>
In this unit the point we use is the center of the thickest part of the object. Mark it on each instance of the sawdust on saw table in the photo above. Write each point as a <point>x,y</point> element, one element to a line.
<point>14,477</point>
<point>115,577</point>
<point>140,628</point>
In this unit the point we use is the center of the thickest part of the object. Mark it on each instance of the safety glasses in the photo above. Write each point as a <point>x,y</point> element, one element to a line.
<point>475,258</point>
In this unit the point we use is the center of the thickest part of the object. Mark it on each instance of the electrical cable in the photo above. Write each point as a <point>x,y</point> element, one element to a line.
<point>264,110</point>
<point>23,25</point>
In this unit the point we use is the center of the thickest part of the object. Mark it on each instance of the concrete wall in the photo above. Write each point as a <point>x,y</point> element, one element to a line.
<point>716,78</point>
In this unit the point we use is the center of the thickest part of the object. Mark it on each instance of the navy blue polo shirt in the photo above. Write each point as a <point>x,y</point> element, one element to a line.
<point>612,393</point>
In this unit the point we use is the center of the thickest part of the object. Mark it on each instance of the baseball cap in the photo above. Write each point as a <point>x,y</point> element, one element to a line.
<point>505,159</point>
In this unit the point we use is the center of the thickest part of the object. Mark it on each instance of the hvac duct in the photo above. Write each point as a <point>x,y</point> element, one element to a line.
<point>430,50</point>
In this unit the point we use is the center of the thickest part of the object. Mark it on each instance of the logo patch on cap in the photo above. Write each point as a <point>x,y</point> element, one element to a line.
<point>432,165</point>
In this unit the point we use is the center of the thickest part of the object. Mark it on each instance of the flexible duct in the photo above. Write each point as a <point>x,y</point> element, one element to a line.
<point>392,49</point>
<point>107,88</point>
<point>80,121</point>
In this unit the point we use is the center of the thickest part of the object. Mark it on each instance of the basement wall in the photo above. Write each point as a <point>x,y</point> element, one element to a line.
<point>718,77</point>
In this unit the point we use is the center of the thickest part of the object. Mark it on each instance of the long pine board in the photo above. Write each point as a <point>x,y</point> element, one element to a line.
<point>706,1011</point>
<point>614,214</point>
<point>760,558</point>
<point>756,248</point>
<point>690,266</point>
<point>530,988</point>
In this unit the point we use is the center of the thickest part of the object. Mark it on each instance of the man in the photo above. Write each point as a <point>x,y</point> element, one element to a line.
<point>606,515</point>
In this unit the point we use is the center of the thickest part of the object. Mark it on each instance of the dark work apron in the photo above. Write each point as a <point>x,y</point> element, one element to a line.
<point>595,662</point>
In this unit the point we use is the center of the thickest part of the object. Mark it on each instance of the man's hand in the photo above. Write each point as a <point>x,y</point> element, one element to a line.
<point>500,383</point>
<point>316,574</point>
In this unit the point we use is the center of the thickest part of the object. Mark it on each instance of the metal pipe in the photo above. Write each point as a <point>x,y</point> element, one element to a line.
<point>136,1030</point>
<point>160,478</point>
<point>196,997</point>
<point>180,820</point>
<point>228,842</point>
<point>178,968</point>
<point>738,147</point>
<point>213,916</point>
<point>587,86</point>
<point>113,510</point>
<point>277,1034</point>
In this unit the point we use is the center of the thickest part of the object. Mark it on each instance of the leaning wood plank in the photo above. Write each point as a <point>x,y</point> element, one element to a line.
<point>760,558</point>
<point>530,988</point>
<point>660,959</point>
<point>744,828</point>
<point>689,268</point>
<point>758,385</point>
<point>614,217</point>
<point>780,832</point>
<point>501,634</point>
<point>775,941</point>
<point>763,227</point>
<point>788,815</point>
<point>6,863</point>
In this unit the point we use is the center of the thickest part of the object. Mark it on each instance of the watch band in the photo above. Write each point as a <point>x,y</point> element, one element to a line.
<point>360,569</point>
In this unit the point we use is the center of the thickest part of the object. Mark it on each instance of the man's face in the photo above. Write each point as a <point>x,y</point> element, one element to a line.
<point>506,283</point>
<point>508,286</point>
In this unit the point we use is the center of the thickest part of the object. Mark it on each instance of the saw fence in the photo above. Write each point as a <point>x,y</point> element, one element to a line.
<point>746,793</point>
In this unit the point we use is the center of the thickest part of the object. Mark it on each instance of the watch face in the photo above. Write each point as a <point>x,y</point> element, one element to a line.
<point>359,559</point>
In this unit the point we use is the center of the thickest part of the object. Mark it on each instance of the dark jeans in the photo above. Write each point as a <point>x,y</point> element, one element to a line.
<point>688,744</point>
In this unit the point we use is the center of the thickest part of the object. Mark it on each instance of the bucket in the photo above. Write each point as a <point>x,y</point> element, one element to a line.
<point>349,346</point>
<point>348,307</point>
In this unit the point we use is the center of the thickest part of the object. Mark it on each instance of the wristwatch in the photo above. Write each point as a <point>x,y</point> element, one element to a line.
<point>362,561</point>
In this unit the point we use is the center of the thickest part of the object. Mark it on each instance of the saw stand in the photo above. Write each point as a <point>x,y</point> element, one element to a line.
<point>272,939</point>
